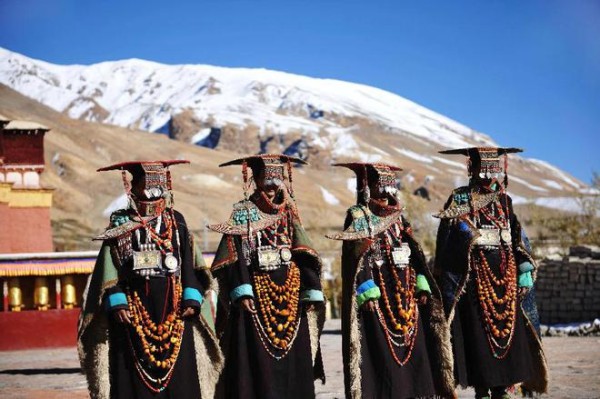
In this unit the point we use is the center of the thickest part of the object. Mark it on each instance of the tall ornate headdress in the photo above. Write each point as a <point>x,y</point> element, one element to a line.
<point>490,162</point>
<point>273,166</point>
<point>154,176</point>
<point>367,174</point>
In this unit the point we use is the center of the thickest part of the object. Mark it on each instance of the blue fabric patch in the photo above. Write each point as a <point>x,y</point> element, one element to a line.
<point>525,241</point>
<point>192,294</point>
<point>525,267</point>
<point>117,299</point>
<point>365,286</point>
<point>312,296</point>
<point>240,291</point>
<point>464,227</point>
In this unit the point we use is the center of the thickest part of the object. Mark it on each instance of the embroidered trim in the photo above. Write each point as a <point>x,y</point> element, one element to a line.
<point>365,224</point>
<point>231,255</point>
<point>245,216</point>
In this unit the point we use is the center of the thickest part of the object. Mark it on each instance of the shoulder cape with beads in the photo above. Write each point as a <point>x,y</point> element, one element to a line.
<point>364,224</point>
<point>245,218</point>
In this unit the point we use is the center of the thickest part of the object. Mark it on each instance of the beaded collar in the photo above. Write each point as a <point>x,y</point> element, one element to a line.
<point>267,205</point>
<point>383,210</point>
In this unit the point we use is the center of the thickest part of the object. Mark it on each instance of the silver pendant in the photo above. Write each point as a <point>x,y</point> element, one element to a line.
<point>401,255</point>
<point>286,254</point>
<point>171,263</point>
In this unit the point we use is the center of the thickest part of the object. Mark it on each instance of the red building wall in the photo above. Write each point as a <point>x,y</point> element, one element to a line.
<point>23,149</point>
<point>25,229</point>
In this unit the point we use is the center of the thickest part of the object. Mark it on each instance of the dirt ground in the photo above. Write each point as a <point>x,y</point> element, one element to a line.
<point>54,373</point>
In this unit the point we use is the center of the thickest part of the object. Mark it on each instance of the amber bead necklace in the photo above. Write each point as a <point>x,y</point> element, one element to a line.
<point>402,323</point>
<point>278,309</point>
<point>160,342</point>
<point>499,310</point>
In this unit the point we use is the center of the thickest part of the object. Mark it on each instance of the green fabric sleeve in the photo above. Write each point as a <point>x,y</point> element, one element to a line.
<point>372,293</point>
<point>525,280</point>
<point>422,284</point>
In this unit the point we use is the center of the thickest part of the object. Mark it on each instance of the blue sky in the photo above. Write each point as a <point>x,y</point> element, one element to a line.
<point>525,72</point>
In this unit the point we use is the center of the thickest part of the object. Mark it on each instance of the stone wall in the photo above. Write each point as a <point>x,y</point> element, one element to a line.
<point>568,288</point>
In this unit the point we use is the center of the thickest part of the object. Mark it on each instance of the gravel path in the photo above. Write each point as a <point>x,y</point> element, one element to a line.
<point>54,373</point>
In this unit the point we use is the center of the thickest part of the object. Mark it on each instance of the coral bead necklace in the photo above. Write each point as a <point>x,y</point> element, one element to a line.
<point>497,294</point>
<point>399,318</point>
<point>160,342</point>
<point>277,317</point>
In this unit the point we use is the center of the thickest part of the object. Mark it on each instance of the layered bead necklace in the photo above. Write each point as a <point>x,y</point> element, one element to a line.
<point>497,295</point>
<point>400,319</point>
<point>160,343</point>
<point>277,318</point>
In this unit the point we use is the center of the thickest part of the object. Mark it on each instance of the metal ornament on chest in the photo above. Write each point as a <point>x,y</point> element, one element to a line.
<point>401,255</point>
<point>272,257</point>
<point>149,260</point>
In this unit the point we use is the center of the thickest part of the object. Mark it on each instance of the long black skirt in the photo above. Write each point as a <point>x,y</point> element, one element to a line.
<point>475,365</point>
<point>381,376</point>
<point>251,373</point>
<point>125,382</point>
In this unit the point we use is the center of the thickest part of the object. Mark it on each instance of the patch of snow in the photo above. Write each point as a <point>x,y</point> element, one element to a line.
<point>120,202</point>
<point>448,162</point>
<point>514,179</point>
<point>370,158</point>
<point>207,181</point>
<point>328,197</point>
<point>559,173</point>
<point>202,134</point>
<point>569,204</point>
<point>552,184</point>
<point>414,155</point>
<point>351,185</point>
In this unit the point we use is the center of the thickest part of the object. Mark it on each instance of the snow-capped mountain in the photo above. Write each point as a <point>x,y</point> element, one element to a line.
<point>248,110</point>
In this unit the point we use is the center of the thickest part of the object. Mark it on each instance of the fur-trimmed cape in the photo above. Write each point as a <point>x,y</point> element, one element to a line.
<point>455,241</point>
<point>93,327</point>
<point>361,227</point>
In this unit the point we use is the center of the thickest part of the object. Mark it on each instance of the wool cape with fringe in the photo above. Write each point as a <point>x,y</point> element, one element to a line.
<point>355,251</point>
<point>233,322</point>
<point>452,269</point>
<point>93,327</point>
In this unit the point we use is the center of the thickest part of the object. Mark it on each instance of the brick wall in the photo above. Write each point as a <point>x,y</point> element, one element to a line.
<point>568,288</point>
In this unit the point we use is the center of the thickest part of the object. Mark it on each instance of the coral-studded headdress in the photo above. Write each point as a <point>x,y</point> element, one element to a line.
<point>367,174</point>
<point>272,165</point>
<point>153,176</point>
<point>492,162</point>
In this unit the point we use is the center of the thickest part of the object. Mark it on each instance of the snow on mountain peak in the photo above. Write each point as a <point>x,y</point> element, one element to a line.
<point>340,117</point>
